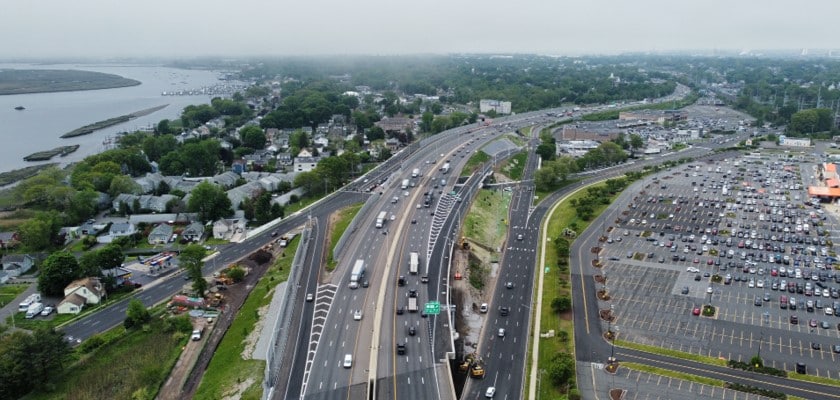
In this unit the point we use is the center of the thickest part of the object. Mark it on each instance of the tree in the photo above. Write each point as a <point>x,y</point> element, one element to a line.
<point>210,202</point>
<point>136,314</point>
<point>110,256</point>
<point>89,264</point>
<point>426,121</point>
<point>636,142</point>
<point>123,184</point>
<point>547,151</point>
<point>253,137</point>
<point>561,304</point>
<point>561,369</point>
<point>190,259</point>
<point>236,273</point>
<point>35,234</point>
<point>375,133</point>
<point>163,127</point>
<point>30,359</point>
<point>56,272</point>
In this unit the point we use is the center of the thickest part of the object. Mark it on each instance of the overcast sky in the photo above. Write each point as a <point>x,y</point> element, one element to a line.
<point>109,28</point>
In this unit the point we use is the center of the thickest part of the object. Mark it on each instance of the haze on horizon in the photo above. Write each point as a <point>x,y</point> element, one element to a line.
<point>190,28</point>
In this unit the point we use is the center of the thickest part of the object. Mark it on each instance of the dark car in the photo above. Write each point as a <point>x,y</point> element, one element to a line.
<point>815,346</point>
<point>794,320</point>
<point>412,331</point>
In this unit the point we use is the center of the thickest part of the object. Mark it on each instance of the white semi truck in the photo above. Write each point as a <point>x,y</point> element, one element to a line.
<point>413,262</point>
<point>357,273</point>
<point>380,219</point>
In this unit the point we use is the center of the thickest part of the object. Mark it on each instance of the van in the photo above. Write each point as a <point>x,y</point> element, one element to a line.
<point>348,361</point>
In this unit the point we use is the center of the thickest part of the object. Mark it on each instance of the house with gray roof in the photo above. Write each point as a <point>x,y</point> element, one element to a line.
<point>193,232</point>
<point>226,179</point>
<point>160,234</point>
<point>17,264</point>
<point>226,228</point>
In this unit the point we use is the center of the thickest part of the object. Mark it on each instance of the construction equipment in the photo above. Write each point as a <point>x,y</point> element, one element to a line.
<point>474,364</point>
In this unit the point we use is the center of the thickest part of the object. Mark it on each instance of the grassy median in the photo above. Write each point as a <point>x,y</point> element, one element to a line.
<point>345,216</point>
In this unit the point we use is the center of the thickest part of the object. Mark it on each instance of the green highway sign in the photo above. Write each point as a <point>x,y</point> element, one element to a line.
<point>432,308</point>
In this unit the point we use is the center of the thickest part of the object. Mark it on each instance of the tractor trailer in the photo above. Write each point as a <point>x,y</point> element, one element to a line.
<point>380,219</point>
<point>357,273</point>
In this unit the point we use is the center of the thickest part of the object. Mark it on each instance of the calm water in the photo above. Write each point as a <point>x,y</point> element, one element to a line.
<point>50,115</point>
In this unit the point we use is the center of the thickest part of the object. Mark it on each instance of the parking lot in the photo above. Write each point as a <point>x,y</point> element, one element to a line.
<point>741,235</point>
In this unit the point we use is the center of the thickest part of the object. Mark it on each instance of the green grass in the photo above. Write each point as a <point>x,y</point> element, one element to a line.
<point>213,241</point>
<point>672,353</point>
<point>299,205</point>
<point>133,365</point>
<point>474,162</point>
<point>815,379</point>
<point>673,374</point>
<point>346,216</point>
<point>555,284</point>
<point>227,368</point>
<point>525,131</point>
<point>8,292</point>
<point>486,222</point>
<point>515,166</point>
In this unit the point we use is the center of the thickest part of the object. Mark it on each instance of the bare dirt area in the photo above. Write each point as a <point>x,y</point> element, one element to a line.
<point>466,297</point>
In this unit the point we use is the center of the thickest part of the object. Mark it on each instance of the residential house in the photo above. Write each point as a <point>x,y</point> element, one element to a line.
<point>226,179</point>
<point>238,194</point>
<point>321,141</point>
<point>72,304</point>
<point>305,164</point>
<point>92,229</point>
<point>118,229</point>
<point>16,264</point>
<point>226,228</point>
<point>160,234</point>
<point>146,202</point>
<point>392,144</point>
<point>395,125</point>
<point>284,159</point>
<point>181,218</point>
<point>193,232</point>
<point>9,240</point>
<point>121,275</point>
<point>238,166</point>
<point>90,288</point>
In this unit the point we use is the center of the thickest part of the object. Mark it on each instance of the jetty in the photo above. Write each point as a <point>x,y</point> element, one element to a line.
<point>48,154</point>
<point>90,128</point>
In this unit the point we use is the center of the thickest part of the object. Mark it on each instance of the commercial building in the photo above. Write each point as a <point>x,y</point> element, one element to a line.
<point>500,107</point>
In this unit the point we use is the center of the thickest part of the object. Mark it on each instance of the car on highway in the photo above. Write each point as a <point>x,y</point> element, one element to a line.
<point>509,285</point>
<point>310,297</point>
<point>491,391</point>
<point>501,332</point>
<point>357,315</point>
<point>400,310</point>
<point>412,331</point>
<point>348,361</point>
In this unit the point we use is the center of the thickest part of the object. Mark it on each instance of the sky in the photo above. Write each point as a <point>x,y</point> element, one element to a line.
<point>227,28</point>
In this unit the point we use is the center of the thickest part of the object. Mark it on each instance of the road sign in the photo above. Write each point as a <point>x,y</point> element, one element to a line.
<point>432,308</point>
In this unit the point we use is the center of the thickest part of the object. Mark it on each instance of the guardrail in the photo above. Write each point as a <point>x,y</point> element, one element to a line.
<point>280,335</point>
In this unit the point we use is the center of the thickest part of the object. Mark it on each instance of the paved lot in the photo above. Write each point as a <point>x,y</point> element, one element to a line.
<point>645,386</point>
<point>744,220</point>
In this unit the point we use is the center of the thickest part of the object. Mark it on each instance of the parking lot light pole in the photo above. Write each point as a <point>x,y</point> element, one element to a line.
<point>612,346</point>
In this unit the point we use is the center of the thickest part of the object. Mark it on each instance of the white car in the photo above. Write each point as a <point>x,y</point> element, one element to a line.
<point>47,311</point>
<point>491,391</point>
<point>501,332</point>
<point>357,315</point>
<point>692,270</point>
<point>709,289</point>
<point>829,311</point>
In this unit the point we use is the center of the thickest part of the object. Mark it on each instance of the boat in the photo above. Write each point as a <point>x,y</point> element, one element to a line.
<point>19,108</point>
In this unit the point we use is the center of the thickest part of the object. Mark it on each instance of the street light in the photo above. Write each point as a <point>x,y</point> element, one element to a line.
<point>612,346</point>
